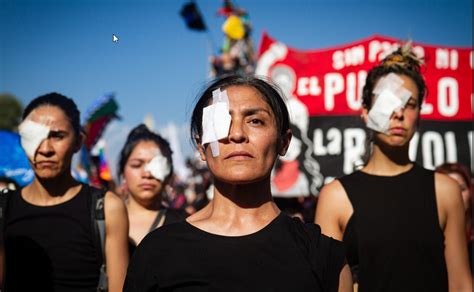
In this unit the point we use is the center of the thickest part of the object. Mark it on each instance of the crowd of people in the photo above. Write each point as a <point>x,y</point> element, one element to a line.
<point>390,226</point>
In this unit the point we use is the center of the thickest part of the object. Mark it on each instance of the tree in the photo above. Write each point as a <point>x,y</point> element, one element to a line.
<point>10,112</point>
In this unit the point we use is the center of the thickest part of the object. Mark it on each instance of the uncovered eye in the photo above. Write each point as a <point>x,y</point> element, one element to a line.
<point>256,121</point>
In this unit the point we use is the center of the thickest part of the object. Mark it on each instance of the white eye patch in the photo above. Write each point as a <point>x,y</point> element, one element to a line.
<point>216,120</point>
<point>158,167</point>
<point>32,134</point>
<point>390,96</point>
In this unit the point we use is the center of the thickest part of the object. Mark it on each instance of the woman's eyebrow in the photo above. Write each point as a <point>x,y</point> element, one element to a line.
<point>58,132</point>
<point>252,111</point>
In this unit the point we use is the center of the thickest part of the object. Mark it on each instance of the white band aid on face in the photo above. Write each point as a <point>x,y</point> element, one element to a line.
<point>32,134</point>
<point>216,120</point>
<point>390,96</point>
<point>158,167</point>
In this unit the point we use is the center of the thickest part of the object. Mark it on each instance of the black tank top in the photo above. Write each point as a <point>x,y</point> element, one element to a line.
<point>393,238</point>
<point>51,248</point>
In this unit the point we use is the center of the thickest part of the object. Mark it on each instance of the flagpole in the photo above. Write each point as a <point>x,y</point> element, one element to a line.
<point>211,44</point>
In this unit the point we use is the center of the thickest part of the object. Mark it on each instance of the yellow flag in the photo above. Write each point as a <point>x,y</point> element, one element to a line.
<point>233,27</point>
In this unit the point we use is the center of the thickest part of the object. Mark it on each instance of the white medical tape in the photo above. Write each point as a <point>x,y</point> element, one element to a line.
<point>158,167</point>
<point>390,96</point>
<point>216,120</point>
<point>32,134</point>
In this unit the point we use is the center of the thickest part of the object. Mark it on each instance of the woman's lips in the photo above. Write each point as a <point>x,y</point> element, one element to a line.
<point>147,186</point>
<point>239,155</point>
<point>397,131</point>
<point>46,163</point>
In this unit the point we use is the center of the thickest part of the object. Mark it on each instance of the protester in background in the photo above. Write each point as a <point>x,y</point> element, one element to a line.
<point>402,224</point>
<point>461,175</point>
<point>241,240</point>
<point>198,184</point>
<point>50,242</point>
<point>146,167</point>
<point>237,54</point>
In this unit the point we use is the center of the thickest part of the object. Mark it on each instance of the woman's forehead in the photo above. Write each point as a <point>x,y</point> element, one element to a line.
<point>246,97</point>
<point>145,149</point>
<point>408,83</point>
<point>50,116</point>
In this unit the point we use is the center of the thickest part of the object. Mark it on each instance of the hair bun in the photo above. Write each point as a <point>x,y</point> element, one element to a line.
<point>139,130</point>
<point>404,57</point>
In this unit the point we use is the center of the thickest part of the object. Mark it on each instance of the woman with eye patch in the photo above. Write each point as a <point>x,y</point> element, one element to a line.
<point>50,241</point>
<point>403,225</point>
<point>146,167</point>
<point>241,241</point>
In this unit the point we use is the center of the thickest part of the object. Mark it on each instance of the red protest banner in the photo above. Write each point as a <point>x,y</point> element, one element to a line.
<point>324,88</point>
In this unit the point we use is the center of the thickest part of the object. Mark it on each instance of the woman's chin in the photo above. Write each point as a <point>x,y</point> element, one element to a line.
<point>47,174</point>
<point>243,179</point>
<point>146,196</point>
<point>394,141</point>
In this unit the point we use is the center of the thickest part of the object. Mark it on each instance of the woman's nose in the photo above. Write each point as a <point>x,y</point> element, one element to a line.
<point>45,148</point>
<point>398,113</point>
<point>146,173</point>
<point>237,133</point>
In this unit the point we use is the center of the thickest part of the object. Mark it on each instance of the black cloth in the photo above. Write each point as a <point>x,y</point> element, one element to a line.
<point>393,238</point>
<point>171,216</point>
<point>286,255</point>
<point>51,248</point>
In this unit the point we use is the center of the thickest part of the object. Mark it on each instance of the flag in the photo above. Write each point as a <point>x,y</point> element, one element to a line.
<point>102,111</point>
<point>81,169</point>
<point>192,17</point>
<point>104,172</point>
<point>14,163</point>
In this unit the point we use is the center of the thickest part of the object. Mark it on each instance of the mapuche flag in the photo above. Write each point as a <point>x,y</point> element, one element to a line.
<point>102,111</point>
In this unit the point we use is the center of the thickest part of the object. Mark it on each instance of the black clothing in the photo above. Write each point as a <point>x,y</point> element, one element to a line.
<point>393,237</point>
<point>286,255</point>
<point>51,248</point>
<point>171,216</point>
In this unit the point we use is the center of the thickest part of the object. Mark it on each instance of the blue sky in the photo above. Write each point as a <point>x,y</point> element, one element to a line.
<point>158,65</point>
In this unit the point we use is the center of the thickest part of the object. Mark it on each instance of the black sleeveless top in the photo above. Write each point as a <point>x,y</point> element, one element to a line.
<point>171,216</point>
<point>393,238</point>
<point>51,248</point>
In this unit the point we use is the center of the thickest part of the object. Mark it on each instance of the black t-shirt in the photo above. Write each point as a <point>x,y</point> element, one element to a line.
<point>286,255</point>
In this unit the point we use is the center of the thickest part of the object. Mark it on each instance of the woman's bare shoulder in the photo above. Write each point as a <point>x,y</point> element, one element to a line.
<point>333,192</point>
<point>448,192</point>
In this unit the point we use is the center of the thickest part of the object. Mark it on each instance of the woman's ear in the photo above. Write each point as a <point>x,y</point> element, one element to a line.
<point>419,117</point>
<point>285,140</point>
<point>200,148</point>
<point>124,186</point>
<point>365,114</point>
<point>79,141</point>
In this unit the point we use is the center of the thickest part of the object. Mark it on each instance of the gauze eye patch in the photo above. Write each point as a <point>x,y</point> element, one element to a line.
<point>390,96</point>
<point>32,134</point>
<point>216,120</point>
<point>158,167</point>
